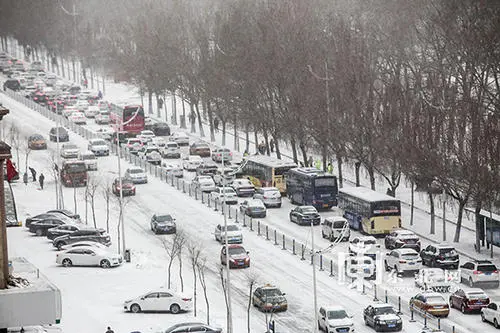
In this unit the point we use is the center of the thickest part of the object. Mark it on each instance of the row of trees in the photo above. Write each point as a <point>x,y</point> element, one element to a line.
<point>400,87</point>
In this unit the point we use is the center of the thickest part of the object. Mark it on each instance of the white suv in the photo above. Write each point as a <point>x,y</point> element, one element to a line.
<point>334,318</point>
<point>230,195</point>
<point>479,272</point>
<point>403,260</point>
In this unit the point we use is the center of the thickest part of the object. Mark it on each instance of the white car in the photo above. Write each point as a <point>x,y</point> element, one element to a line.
<point>365,245</point>
<point>171,150</point>
<point>220,154</point>
<point>92,111</point>
<point>102,118</point>
<point>68,111</point>
<point>335,228</point>
<point>146,136</point>
<point>80,244</point>
<point>226,194</point>
<point>234,234</point>
<point>403,260</point>
<point>243,187</point>
<point>433,279</point>
<point>151,154</point>
<point>159,300</point>
<point>270,196</point>
<point>50,79</point>
<point>88,256</point>
<point>69,150</point>
<point>190,163</point>
<point>334,318</point>
<point>136,175</point>
<point>106,133</point>
<point>203,183</point>
<point>82,105</point>
<point>99,147</point>
<point>173,169</point>
<point>480,272</point>
<point>89,159</point>
<point>133,145</point>
<point>181,138</point>
<point>78,118</point>
<point>491,314</point>
<point>158,142</point>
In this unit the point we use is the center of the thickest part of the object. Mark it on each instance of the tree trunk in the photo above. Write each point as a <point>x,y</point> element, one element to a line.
<point>181,279</point>
<point>433,213</point>
<point>303,150</point>
<point>256,138</point>
<point>235,133</point>
<point>62,67</point>
<point>194,289</point>
<point>412,202</point>
<point>339,167</point>
<point>150,101</point>
<point>200,123</point>
<point>158,109</point>
<point>210,120</point>
<point>357,166</point>
<point>223,121</point>
<point>479,227</point>
<point>458,229</point>
<point>92,206</point>
<point>277,147</point>
<point>371,173</point>
<point>324,156</point>
<point>247,139</point>
<point>294,151</point>
<point>169,271</point>
<point>107,215</point>
<point>74,198</point>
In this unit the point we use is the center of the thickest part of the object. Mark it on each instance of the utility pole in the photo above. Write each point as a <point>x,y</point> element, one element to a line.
<point>226,243</point>
<point>4,256</point>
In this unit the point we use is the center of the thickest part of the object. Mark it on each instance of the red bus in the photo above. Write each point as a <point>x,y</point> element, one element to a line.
<point>121,114</point>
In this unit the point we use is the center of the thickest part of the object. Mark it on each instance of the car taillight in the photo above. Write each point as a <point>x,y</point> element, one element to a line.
<point>495,271</point>
<point>402,261</point>
<point>186,299</point>
<point>230,154</point>
<point>267,197</point>
<point>440,257</point>
<point>477,272</point>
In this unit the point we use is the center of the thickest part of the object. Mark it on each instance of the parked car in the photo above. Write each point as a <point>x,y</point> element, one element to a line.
<point>403,260</point>
<point>220,154</point>
<point>78,118</point>
<point>382,317</point>
<point>224,176</point>
<point>269,298</point>
<point>335,228</point>
<point>84,244</point>
<point>88,256</point>
<point>102,118</point>
<point>200,148</point>
<point>480,272</point>
<point>491,314</point>
<point>432,303</point>
<point>253,208</point>
<point>238,256</point>
<point>60,132</point>
<point>366,245</point>
<point>127,185</point>
<point>44,216</point>
<point>206,169</point>
<point>270,196</point>
<point>160,129</point>
<point>469,300</point>
<point>145,136</point>
<point>190,163</point>
<point>305,215</point>
<point>65,212</point>
<point>172,169</point>
<point>402,238</point>
<point>243,187</point>
<point>433,279</point>
<point>192,328</point>
<point>40,228</point>
<point>181,138</point>
<point>234,234</point>
<point>12,84</point>
<point>161,300</point>
<point>334,318</point>
<point>69,150</point>
<point>99,147</point>
<point>224,194</point>
<point>163,224</point>
<point>136,175</point>
<point>440,255</point>
<point>36,142</point>
<point>86,234</point>
<point>171,150</point>
<point>60,230</point>
<point>89,159</point>
<point>203,184</point>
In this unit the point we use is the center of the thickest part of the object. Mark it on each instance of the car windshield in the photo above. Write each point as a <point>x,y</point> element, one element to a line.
<point>410,256</point>
<point>135,171</point>
<point>438,299</point>
<point>229,190</point>
<point>339,224</point>
<point>164,218</point>
<point>87,157</point>
<point>230,228</point>
<point>61,130</point>
<point>36,137</point>
<point>236,250</point>
<point>99,143</point>
<point>448,252</point>
<point>476,295</point>
<point>70,146</point>
<point>75,167</point>
<point>338,314</point>
<point>172,145</point>
<point>272,292</point>
<point>368,241</point>
<point>309,210</point>
<point>384,310</point>
<point>486,268</point>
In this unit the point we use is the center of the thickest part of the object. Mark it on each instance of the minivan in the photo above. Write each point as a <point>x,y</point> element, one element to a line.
<point>335,227</point>
<point>12,84</point>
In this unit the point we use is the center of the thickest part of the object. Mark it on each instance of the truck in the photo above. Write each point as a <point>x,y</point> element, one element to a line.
<point>74,173</point>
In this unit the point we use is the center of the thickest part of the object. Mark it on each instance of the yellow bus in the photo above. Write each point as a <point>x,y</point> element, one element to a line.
<point>267,171</point>
<point>368,211</point>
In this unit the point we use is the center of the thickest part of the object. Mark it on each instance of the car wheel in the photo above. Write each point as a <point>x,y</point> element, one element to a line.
<point>451,303</point>
<point>319,326</point>
<point>105,263</point>
<point>482,317</point>
<point>59,245</point>
<point>323,234</point>
<point>175,308</point>
<point>495,323</point>
<point>366,321</point>
<point>67,263</point>
<point>39,232</point>
<point>471,283</point>
<point>387,268</point>
<point>462,308</point>
<point>135,308</point>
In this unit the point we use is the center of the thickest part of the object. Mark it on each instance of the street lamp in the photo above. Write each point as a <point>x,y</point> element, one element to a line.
<point>315,297</point>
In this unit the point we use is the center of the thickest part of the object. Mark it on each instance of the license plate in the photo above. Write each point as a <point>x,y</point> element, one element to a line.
<point>241,263</point>
<point>438,307</point>
<point>488,273</point>
<point>325,205</point>
<point>391,325</point>
<point>343,330</point>
<point>411,263</point>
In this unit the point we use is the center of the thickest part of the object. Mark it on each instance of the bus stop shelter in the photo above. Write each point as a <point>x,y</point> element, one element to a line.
<point>490,230</point>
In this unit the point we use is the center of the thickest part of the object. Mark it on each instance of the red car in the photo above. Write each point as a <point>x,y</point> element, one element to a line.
<point>469,300</point>
<point>128,187</point>
<point>238,256</point>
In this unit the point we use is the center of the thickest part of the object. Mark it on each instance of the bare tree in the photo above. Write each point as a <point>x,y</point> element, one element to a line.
<point>194,256</point>
<point>14,141</point>
<point>106,194</point>
<point>27,151</point>
<point>201,266</point>
<point>126,200</point>
<point>172,248</point>
<point>90,193</point>
<point>224,289</point>
<point>181,244</point>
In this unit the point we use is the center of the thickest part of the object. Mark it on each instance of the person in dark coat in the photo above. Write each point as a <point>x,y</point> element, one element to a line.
<point>41,179</point>
<point>271,145</point>
<point>33,173</point>
<point>216,125</point>
<point>25,178</point>
<point>109,330</point>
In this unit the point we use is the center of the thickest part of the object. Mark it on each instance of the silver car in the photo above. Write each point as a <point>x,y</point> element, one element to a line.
<point>171,150</point>
<point>270,196</point>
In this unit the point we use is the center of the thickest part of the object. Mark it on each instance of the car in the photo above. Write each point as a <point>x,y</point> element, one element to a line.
<point>102,118</point>
<point>37,142</point>
<point>171,150</point>
<point>480,272</point>
<point>43,216</point>
<point>40,228</point>
<point>360,266</point>
<point>164,224</point>
<point>234,234</point>
<point>65,212</point>
<point>220,154</point>
<point>491,314</point>
<point>128,187</point>
<point>84,244</point>
<point>238,256</point>
<point>190,163</point>
<point>253,208</point>
<point>172,169</point>
<point>88,256</point>
<point>181,138</point>
<point>270,196</point>
<point>69,151</point>
<point>85,234</point>
<point>136,175</point>
<point>159,142</point>
<point>145,136</point>
<point>335,228</point>
<point>106,133</point>
<point>69,110</point>
<point>203,184</point>
<point>269,298</point>
<point>12,84</point>
<point>50,79</point>
<point>200,148</point>
<point>305,215</point>
<point>133,145</point>
<point>430,302</point>
<point>151,154</point>
<point>440,255</point>
<point>78,118</point>
<point>382,317</point>
<point>206,168</point>
<point>160,129</point>
<point>433,279</point>
<point>58,132</point>
<point>192,327</point>
<point>334,318</point>
<point>243,187</point>
<point>403,260</point>
<point>224,176</point>
<point>89,159</point>
<point>81,105</point>
<point>224,194</point>
<point>63,229</point>
<point>366,245</point>
<point>469,300</point>
<point>37,66</point>
<point>402,238</point>
<point>160,300</point>
<point>92,111</point>
<point>99,147</point>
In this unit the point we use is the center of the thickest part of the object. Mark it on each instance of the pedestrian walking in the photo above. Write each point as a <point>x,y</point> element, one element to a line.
<point>99,95</point>
<point>330,168</point>
<point>25,178</point>
<point>271,145</point>
<point>317,164</point>
<point>216,124</point>
<point>33,173</point>
<point>41,179</point>
<point>310,161</point>
<point>160,103</point>
<point>109,330</point>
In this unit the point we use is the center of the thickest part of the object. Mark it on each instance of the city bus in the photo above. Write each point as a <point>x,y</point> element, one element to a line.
<point>368,211</point>
<point>10,206</point>
<point>120,114</point>
<point>312,187</point>
<point>267,171</point>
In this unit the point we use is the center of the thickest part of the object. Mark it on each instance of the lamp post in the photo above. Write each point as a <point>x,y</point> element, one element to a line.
<point>226,241</point>
<point>315,295</point>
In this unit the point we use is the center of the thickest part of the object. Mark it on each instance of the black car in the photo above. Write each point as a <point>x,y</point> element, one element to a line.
<point>44,216</point>
<point>304,215</point>
<point>440,255</point>
<point>12,84</point>
<point>61,230</point>
<point>192,328</point>
<point>207,169</point>
<point>58,131</point>
<point>40,228</point>
<point>164,224</point>
<point>160,129</point>
<point>66,213</point>
<point>89,234</point>
<point>382,317</point>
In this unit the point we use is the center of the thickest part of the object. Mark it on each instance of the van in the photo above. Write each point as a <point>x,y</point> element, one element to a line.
<point>335,227</point>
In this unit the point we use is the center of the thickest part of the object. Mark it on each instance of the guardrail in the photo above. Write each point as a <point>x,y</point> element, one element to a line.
<point>326,263</point>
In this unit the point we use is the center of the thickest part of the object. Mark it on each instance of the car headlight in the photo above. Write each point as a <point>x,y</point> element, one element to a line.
<point>128,301</point>
<point>399,321</point>
<point>380,321</point>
